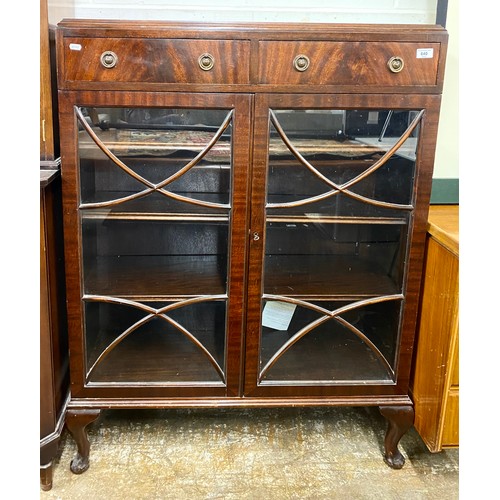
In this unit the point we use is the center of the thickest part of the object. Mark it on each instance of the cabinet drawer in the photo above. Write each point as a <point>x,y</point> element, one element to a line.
<point>347,63</point>
<point>156,60</point>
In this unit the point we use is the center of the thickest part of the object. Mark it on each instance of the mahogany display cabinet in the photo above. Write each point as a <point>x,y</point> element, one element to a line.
<point>245,214</point>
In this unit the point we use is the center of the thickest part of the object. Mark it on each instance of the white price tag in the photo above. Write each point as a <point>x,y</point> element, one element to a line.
<point>277,315</point>
<point>425,53</point>
<point>75,46</point>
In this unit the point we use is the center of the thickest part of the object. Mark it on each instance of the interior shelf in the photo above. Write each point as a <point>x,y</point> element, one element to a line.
<point>326,276</point>
<point>157,353</point>
<point>319,218</point>
<point>328,355</point>
<point>150,276</point>
<point>152,215</point>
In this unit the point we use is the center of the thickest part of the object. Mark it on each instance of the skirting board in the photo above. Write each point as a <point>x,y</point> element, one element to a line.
<point>444,191</point>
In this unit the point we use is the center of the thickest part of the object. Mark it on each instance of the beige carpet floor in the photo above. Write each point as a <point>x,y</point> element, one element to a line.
<point>257,454</point>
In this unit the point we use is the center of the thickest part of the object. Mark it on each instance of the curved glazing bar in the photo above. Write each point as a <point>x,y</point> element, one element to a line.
<point>327,315</point>
<point>150,186</point>
<point>344,187</point>
<point>152,313</point>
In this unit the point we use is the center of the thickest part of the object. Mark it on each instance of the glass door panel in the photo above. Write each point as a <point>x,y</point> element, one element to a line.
<point>342,342</point>
<point>148,257</point>
<point>147,342</point>
<point>344,170</point>
<point>338,212</point>
<point>155,159</point>
<point>322,257</point>
<point>155,219</point>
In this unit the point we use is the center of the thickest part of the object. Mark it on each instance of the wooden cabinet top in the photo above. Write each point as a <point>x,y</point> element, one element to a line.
<point>284,57</point>
<point>443,225</point>
<point>135,28</point>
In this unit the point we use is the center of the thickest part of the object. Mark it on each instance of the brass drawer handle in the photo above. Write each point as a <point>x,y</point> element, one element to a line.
<point>301,62</point>
<point>206,61</point>
<point>109,59</point>
<point>396,64</point>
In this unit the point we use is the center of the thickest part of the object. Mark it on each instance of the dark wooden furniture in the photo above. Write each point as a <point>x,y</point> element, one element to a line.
<point>54,369</point>
<point>245,212</point>
<point>54,364</point>
<point>435,380</point>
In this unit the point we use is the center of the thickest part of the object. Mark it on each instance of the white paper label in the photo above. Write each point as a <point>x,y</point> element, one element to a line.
<point>425,53</point>
<point>75,46</point>
<point>277,315</point>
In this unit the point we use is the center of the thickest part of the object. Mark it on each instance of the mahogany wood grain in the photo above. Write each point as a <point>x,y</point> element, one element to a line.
<point>158,60</point>
<point>54,379</point>
<point>244,66</point>
<point>252,75</point>
<point>264,102</point>
<point>346,63</point>
<point>77,422</point>
<point>400,419</point>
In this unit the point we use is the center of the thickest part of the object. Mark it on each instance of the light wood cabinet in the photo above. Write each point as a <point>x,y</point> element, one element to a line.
<point>435,381</point>
<point>245,213</point>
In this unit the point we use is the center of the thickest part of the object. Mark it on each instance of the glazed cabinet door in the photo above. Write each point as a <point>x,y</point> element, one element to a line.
<point>339,184</point>
<point>155,221</point>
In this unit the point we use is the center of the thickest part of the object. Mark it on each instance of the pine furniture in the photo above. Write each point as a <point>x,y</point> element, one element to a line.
<point>435,381</point>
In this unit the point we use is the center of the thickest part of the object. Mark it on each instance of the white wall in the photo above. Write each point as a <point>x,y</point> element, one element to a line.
<point>335,11</point>
<point>446,162</point>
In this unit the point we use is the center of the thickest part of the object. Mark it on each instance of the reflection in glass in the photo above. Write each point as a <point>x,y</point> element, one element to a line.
<point>177,156</point>
<point>155,211</point>
<point>136,258</point>
<point>338,211</point>
<point>341,173</point>
<point>322,257</point>
<point>155,342</point>
<point>357,344</point>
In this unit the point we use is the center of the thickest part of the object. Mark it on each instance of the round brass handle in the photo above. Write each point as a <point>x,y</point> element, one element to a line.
<point>206,61</point>
<point>396,64</point>
<point>301,62</point>
<point>109,59</point>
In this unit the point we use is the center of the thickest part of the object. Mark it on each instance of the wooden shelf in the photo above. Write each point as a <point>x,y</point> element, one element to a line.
<point>325,276</point>
<point>317,218</point>
<point>155,277</point>
<point>329,355</point>
<point>140,216</point>
<point>158,354</point>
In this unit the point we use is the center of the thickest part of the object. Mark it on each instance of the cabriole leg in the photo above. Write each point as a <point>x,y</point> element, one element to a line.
<point>76,422</point>
<point>400,419</point>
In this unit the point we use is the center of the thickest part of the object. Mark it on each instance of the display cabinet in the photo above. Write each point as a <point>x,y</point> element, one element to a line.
<point>245,214</point>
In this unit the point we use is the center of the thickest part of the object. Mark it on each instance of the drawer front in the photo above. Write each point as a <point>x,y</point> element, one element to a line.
<point>156,60</point>
<point>347,63</point>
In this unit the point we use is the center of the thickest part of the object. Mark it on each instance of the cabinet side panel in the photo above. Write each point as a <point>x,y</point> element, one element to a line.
<point>437,315</point>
